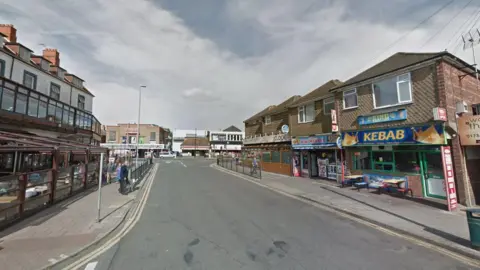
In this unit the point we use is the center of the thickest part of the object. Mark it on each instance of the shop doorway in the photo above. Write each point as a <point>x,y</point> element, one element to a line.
<point>432,175</point>
<point>314,165</point>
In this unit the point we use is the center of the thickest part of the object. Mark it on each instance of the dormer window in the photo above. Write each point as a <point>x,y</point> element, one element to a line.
<point>24,53</point>
<point>268,120</point>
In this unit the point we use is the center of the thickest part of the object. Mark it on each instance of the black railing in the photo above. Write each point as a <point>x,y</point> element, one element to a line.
<point>19,99</point>
<point>240,165</point>
<point>138,170</point>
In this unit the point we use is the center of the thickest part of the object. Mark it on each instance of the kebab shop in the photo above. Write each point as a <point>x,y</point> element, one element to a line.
<point>413,155</point>
<point>316,156</point>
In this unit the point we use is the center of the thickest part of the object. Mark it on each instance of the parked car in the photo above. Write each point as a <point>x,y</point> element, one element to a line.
<point>167,155</point>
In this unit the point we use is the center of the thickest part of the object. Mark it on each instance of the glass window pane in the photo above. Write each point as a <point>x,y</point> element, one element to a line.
<point>361,161</point>
<point>276,156</point>
<point>58,115</point>
<point>33,107</point>
<point>70,118</point>
<point>287,157</point>
<point>407,162</point>
<point>382,156</point>
<point>8,97</point>
<point>21,104</point>
<point>266,157</point>
<point>328,105</point>
<point>42,109</point>
<point>404,91</point>
<point>51,108</point>
<point>385,93</point>
<point>309,112</point>
<point>350,99</point>
<point>65,116</point>
<point>404,77</point>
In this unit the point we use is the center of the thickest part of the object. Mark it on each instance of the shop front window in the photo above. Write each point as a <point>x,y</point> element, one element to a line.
<point>407,162</point>
<point>286,157</point>
<point>266,157</point>
<point>276,156</point>
<point>383,161</point>
<point>362,160</point>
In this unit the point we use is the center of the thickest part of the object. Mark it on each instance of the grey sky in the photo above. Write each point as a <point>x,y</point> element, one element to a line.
<point>214,63</point>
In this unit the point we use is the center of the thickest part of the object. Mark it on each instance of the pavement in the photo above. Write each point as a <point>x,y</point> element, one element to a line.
<point>63,229</point>
<point>197,217</point>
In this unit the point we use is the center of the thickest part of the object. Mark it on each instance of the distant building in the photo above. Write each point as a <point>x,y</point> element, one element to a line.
<point>123,137</point>
<point>229,140</point>
<point>179,136</point>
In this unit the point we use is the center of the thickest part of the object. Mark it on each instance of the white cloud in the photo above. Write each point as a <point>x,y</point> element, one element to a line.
<point>191,81</point>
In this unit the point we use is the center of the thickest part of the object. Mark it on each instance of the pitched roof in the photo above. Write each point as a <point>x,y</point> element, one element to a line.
<point>282,106</point>
<point>232,129</point>
<point>319,92</point>
<point>260,113</point>
<point>397,61</point>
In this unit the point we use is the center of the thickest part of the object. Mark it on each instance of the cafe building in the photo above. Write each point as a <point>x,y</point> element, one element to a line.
<point>397,125</point>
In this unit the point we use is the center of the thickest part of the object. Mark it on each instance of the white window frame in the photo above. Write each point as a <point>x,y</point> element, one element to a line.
<point>34,79</point>
<point>303,110</point>
<point>268,120</point>
<point>398,92</point>
<point>53,94</point>
<point>325,102</point>
<point>352,92</point>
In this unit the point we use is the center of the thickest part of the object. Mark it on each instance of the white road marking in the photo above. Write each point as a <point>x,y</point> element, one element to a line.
<point>52,260</point>
<point>183,164</point>
<point>91,266</point>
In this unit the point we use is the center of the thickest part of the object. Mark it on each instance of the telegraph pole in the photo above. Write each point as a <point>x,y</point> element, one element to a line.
<point>469,42</point>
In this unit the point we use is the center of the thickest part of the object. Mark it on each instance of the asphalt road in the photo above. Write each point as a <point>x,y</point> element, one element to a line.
<point>199,218</point>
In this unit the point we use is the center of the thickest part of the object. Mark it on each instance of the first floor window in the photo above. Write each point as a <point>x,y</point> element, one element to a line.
<point>153,136</point>
<point>55,91</point>
<point>112,136</point>
<point>2,67</point>
<point>33,105</point>
<point>21,103</point>
<point>30,80</point>
<point>81,102</point>
<point>268,120</point>
<point>328,105</point>
<point>42,109</point>
<point>306,113</point>
<point>392,91</point>
<point>350,99</point>
<point>8,98</point>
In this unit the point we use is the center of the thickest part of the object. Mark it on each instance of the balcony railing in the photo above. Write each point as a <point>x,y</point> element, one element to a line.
<point>16,98</point>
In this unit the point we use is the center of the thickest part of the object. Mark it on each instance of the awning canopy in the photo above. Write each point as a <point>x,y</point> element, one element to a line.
<point>10,141</point>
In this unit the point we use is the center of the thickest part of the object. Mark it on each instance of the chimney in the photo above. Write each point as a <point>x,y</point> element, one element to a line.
<point>52,55</point>
<point>9,31</point>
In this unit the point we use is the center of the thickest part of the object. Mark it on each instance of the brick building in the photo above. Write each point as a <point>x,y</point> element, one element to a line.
<point>123,137</point>
<point>315,151</point>
<point>265,139</point>
<point>392,128</point>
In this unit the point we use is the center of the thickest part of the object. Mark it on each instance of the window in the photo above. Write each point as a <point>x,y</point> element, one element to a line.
<point>2,68</point>
<point>306,113</point>
<point>268,120</point>
<point>383,161</point>
<point>112,136</point>
<point>8,98</point>
<point>29,80</point>
<point>350,99</point>
<point>58,113</point>
<point>362,160</point>
<point>328,105</point>
<point>21,101</point>
<point>81,102</point>
<point>392,91</point>
<point>407,162</point>
<point>33,105</point>
<point>286,157</point>
<point>153,136</point>
<point>55,91</point>
<point>276,157</point>
<point>66,109</point>
<point>71,117</point>
<point>51,107</point>
<point>42,107</point>
<point>266,157</point>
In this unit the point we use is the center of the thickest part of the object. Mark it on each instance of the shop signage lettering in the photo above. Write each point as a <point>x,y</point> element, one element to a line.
<point>384,117</point>
<point>312,142</point>
<point>267,139</point>
<point>431,134</point>
<point>469,130</point>
<point>450,178</point>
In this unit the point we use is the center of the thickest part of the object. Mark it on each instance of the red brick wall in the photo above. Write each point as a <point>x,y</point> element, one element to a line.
<point>452,89</point>
<point>415,183</point>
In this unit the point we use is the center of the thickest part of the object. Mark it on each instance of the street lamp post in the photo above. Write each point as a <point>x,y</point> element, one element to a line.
<point>138,121</point>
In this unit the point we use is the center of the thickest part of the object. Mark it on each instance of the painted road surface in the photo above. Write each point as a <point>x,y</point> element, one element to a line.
<point>199,218</point>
